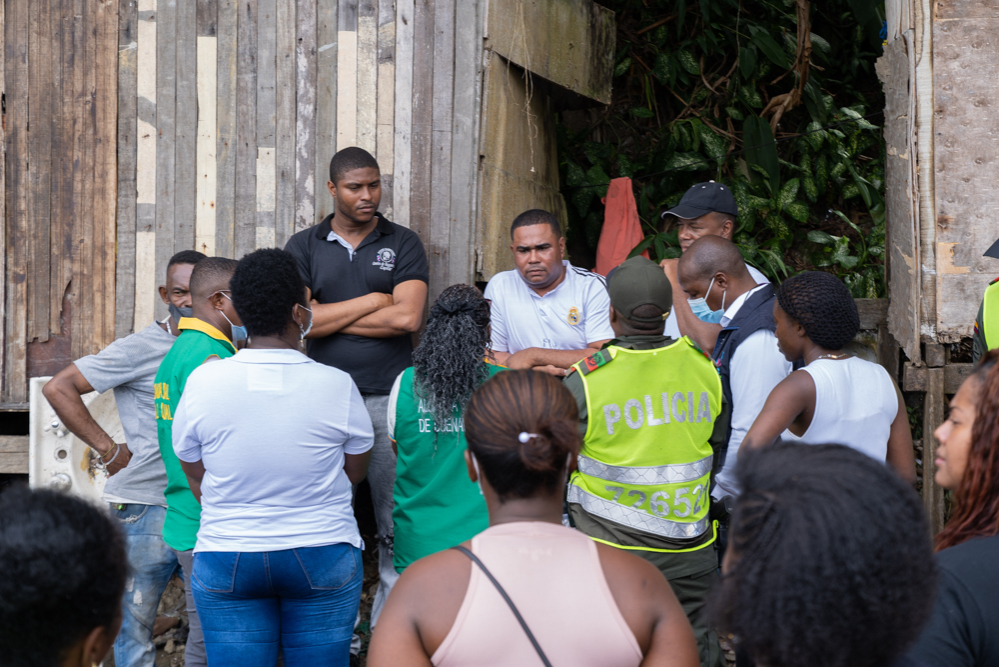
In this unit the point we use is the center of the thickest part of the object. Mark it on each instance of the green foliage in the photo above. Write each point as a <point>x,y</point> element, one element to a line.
<point>691,82</point>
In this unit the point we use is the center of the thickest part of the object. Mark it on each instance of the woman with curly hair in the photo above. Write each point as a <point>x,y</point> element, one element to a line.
<point>835,397</point>
<point>961,632</point>
<point>829,560</point>
<point>436,505</point>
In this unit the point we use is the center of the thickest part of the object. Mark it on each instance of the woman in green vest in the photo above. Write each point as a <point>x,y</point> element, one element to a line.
<point>436,505</point>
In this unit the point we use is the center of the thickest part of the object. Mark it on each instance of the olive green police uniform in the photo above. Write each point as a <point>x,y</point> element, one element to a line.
<point>986,336</point>
<point>652,412</point>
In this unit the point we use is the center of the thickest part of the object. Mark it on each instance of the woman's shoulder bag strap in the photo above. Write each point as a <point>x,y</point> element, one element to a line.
<point>513,607</point>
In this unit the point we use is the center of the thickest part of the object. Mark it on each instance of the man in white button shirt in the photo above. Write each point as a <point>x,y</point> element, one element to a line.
<point>746,354</point>
<point>707,209</point>
<point>546,313</point>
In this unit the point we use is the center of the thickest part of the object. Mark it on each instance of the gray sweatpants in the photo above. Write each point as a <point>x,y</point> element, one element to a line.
<point>381,478</point>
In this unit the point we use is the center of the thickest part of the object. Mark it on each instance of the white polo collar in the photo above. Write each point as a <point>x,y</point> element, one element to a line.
<point>733,310</point>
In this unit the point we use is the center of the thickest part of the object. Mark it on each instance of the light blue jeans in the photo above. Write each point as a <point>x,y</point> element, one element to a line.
<point>151,563</point>
<point>301,602</point>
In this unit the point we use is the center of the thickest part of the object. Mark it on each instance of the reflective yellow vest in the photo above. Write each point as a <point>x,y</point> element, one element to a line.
<point>990,315</point>
<point>646,457</point>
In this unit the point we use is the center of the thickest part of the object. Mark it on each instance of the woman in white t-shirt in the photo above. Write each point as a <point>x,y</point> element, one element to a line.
<point>271,443</point>
<point>835,398</point>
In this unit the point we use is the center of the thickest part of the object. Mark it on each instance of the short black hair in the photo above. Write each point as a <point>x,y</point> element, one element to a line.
<point>833,565</point>
<point>186,257</point>
<point>823,306</point>
<point>211,275</point>
<point>349,159</point>
<point>536,217</point>
<point>64,567</point>
<point>265,289</point>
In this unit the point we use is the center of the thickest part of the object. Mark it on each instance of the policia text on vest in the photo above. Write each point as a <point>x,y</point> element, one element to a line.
<point>646,458</point>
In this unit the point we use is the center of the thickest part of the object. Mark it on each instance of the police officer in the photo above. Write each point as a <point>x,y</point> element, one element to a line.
<point>987,322</point>
<point>652,414</point>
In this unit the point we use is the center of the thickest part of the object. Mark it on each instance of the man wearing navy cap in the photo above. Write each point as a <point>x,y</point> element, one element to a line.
<point>705,209</point>
<point>986,335</point>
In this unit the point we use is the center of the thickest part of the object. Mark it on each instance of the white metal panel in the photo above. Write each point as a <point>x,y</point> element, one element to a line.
<point>57,458</point>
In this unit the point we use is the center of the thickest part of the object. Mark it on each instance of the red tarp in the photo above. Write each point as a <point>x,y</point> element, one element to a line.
<point>622,231</point>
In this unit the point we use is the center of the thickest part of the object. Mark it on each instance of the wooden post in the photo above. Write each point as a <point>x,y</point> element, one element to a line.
<point>933,416</point>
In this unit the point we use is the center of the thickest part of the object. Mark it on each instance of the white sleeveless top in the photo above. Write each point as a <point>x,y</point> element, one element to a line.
<point>855,405</point>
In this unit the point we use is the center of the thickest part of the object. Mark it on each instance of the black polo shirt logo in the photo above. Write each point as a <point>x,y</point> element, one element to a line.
<point>385,259</point>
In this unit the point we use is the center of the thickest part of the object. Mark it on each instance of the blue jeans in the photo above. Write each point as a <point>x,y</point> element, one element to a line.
<point>301,601</point>
<point>151,563</point>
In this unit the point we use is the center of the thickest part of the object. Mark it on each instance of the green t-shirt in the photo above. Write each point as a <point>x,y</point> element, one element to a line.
<point>197,341</point>
<point>436,505</point>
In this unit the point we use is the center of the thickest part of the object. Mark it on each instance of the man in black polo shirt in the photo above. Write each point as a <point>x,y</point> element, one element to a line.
<point>368,278</point>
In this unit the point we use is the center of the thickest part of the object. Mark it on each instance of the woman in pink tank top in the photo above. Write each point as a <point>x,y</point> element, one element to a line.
<point>537,593</point>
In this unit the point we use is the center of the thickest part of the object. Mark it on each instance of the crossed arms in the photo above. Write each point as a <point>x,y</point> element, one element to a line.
<point>374,315</point>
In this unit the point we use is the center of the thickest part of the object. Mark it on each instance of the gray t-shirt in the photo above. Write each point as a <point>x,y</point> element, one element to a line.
<point>129,366</point>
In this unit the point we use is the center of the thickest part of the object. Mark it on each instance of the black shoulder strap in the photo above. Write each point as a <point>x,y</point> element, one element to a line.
<point>513,607</point>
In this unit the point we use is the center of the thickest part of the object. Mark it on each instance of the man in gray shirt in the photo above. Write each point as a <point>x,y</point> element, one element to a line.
<point>136,476</point>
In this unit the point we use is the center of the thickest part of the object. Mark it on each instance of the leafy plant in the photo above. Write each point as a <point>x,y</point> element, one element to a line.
<point>774,98</point>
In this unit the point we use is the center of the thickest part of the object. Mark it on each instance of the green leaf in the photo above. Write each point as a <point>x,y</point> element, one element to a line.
<point>821,237</point>
<point>643,112</point>
<point>734,113</point>
<point>663,69</point>
<point>622,67</point>
<point>820,44</point>
<point>821,173</point>
<point>849,191</point>
<point>642,246</point>
<point>788,193</point>
<point>816,136</point>
<point>581,199</point>
<point>841,253</point>
<point>687,61</point>
<point>750,96</point>
<point>597,176</point>
<point>747,62</point>
<point>574,175</point>
<point>771,49</point>
<point>838,169</point>
<point>758,140</point>
<point>808,185</point>
<point>685,162</point>
<point>715,146</point>
<point>797,210</point>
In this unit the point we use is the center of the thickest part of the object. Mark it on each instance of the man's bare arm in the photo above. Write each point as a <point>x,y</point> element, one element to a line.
<point>356,465</point>
<point>539,356</point>
<point>404,316</point>
<point>705,334</point>
<point>329,318</point>
<point>64,393</point>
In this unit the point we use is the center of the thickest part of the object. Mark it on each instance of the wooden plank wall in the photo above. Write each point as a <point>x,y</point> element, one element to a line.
<point>59,181</point>
<point>966,159</point>
<point>230,111</point>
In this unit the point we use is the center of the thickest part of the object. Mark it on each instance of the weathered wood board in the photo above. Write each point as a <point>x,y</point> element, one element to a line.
<point>158,126</point>
<point>966,159</point>
<point>902,236</point>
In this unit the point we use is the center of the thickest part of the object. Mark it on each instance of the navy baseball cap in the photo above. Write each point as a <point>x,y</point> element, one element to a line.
<point>705,198</point>
<point>993,251</point>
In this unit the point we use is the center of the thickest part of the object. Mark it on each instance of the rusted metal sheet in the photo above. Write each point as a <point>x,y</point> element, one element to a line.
<point>966,152</point>
<point>568,42</point>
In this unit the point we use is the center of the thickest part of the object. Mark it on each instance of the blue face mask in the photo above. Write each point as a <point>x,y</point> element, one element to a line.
<point>701,309</point>
<point>238,332</point>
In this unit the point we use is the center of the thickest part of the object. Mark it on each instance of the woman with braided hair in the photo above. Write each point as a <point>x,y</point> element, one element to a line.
<point>436,505</point>
<point>835,397</point>
<point>829,561</point>
<point>961,632</point>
